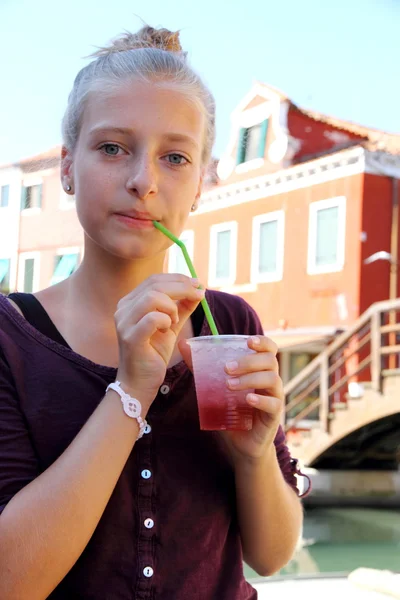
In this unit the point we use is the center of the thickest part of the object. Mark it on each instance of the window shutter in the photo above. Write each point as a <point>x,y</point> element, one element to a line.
<point>5,193</point>
<point>263,138</point>
<point>4,267</point>
<point>23,197</point>
<point>327,236</point>
<point>268,250</point>
<point>241,149</point>
<point>223,254</point>
<point>28,275</point>
<point>64,267</point>
<point>39,195</point>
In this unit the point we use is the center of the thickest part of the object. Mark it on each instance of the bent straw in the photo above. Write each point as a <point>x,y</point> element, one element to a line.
<point>189,263</point>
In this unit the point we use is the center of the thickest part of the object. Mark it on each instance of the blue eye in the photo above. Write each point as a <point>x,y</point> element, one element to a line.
<point>110,149</point>
<point>177,159</point>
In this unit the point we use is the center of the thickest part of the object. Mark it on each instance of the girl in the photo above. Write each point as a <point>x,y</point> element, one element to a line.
<point>98,501</point>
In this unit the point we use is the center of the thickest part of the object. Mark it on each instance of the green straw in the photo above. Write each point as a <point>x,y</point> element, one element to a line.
<point>189,263</point>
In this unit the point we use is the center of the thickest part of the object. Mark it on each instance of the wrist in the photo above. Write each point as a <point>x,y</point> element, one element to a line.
<point>252,464</point>
<point>145,397</point>
<point>132,406</point>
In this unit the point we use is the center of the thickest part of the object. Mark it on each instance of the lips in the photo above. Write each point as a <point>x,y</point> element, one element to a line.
<point>137,215</point>
<point>135,220</point>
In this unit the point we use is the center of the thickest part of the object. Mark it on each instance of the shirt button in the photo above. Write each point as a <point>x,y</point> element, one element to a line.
<point>147,429</point>
<point>164,389</point>
<point>149,523</point>
<point>146,474</point>
<point>148,572</point>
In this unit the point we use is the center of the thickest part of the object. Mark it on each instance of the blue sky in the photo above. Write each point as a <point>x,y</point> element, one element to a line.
<point>340,58</point>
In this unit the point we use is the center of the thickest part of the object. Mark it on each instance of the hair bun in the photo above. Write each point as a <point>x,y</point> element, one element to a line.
<point>146,37</point>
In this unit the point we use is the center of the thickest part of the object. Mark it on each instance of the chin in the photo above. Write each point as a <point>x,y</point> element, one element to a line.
<point>133,251</point>
<point>126,247</point>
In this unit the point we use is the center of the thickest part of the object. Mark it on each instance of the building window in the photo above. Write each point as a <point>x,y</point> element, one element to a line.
<point>268,247</point>
<point>252,142</point>
<point>65,265</point>
<point>176,260</point>
<point>29,268</point>
<point>4,196</point>
<point>31,197</point>
<point>223,245</point>
<point>326,240</point>
<point>5,275</point>
<point>28,272</point>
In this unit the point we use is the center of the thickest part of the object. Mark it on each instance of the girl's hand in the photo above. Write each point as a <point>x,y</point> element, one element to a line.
<point>260,372</point>
<point>148,322</point>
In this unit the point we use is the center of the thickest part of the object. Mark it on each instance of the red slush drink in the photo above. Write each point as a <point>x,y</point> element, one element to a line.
<point>219,407</point>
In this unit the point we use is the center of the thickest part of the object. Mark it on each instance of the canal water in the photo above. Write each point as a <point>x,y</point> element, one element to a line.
<point>339,540</point>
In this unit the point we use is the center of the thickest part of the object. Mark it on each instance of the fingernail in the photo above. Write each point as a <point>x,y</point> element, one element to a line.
<point>255,340</point>
<point>232,366</point>
<point>195,282</point>
<point>253,399</point>
<point>200,292</point>
<point>234,381</point>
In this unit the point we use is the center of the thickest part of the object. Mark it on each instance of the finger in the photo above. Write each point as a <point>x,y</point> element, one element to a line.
<point>145,304</point>
<point>186,353</point>
<point>152,322</point>
<point>161,282</point>
<point>262,361</point>
<point>181,291</point>
<point>268,404</point>
<point>186,308</point>
<point>264,380</point>
<point>168,277</point>
<point>261,343</point>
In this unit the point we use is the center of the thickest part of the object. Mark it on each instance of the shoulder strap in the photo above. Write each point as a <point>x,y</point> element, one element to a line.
<point>37,316</point>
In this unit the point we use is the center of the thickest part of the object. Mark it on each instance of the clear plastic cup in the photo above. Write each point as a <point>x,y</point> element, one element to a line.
<point>219,407</point>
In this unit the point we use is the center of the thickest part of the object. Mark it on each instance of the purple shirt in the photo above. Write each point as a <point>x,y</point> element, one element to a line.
<point>170,530</point>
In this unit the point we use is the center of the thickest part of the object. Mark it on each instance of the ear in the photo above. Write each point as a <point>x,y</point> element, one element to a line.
<point>200,186</point>
<point>66,167</point>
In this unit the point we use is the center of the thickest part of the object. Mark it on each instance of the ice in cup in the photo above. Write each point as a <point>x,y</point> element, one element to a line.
<point>219,407</point>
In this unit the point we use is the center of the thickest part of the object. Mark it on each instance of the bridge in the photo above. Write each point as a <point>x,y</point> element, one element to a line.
<point>343,410</point>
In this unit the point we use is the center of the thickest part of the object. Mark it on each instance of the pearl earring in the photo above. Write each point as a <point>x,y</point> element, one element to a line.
<point>193,207</point>
<point>68,188</point>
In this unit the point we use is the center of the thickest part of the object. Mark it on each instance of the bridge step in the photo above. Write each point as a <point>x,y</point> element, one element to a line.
<point>340,406</point>
<point>390,372</point>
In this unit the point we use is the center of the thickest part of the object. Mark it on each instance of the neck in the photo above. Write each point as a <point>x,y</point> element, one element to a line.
<point>102,279</point>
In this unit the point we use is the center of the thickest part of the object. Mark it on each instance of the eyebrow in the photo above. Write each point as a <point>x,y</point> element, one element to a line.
<point>123,130</point>
<point>171,137</point>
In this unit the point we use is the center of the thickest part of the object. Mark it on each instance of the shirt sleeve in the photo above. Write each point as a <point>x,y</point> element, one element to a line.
<point>18,462</point>
<point>289,466</point>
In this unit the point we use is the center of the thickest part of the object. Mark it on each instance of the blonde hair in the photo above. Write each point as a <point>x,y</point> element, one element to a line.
<point>152,55</point>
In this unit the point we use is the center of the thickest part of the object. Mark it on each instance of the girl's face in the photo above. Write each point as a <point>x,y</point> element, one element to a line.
<point>138,158</point>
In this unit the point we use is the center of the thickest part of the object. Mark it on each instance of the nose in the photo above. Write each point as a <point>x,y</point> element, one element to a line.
<point>143,178</point>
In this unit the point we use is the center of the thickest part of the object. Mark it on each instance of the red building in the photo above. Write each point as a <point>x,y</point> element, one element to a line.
<point>301,202</point>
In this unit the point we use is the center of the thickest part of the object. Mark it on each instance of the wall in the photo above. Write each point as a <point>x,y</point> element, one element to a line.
<point>9,220</point>
<point>315,137</point>
<point>300,299</point>
<point>359,488</point>
<point>50,228</point>
<point>376,223</point>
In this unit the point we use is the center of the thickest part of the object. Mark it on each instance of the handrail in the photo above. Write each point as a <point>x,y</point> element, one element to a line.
<point>304,373</point>
<point>316,375</point>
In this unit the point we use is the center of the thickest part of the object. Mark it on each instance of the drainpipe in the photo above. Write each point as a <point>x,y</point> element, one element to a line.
<point>394,240</point>
<point>394,266</point>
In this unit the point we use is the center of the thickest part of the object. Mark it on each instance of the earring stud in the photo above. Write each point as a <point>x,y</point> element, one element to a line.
<point>68,188</point>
